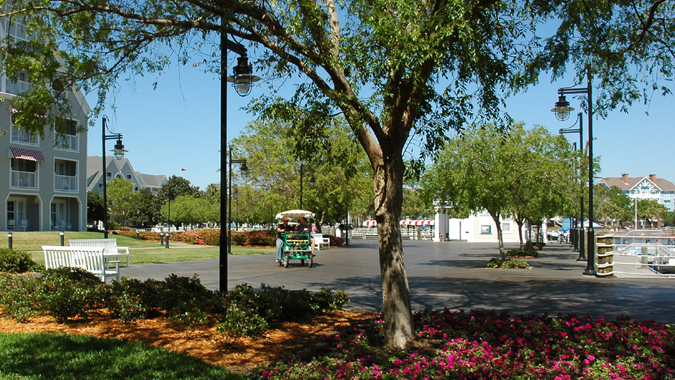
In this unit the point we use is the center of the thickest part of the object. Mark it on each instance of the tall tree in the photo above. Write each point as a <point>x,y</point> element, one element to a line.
<point>339,169</point>
<point>174,188</point>
<point>545,186</point>
<point>475,172</point>
<point>94,206</point>
<point>393,68</point>
<point>120,195</point>
<point>144,209</point>
<point>612,205</point>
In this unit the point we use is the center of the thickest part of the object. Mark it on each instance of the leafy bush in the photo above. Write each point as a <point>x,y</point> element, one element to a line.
<point>202,236</point>
<point>242,322</point>
<point>185,299</point>
<point>13,261</point>
<point>509,263</point>
<point>335,241</point>
<point>531,246</point>
<point>68,292</point>
<point>131,299</point>
<point>263,238</point>
<point>17,296</point>
<point>327,300</point>
<point>522,253</point>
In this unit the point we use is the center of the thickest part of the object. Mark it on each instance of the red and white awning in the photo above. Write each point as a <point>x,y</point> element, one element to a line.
<point>26,154</point>
<point>370,223</point>
<point>410,222</point>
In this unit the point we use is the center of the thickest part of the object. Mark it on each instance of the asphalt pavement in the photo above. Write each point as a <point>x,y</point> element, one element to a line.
<point>450,275</point>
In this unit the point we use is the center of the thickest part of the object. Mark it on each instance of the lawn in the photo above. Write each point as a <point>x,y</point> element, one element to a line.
<point>142,251</point>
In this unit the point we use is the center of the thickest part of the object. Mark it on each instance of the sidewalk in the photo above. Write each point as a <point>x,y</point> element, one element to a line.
<point>449,274</point>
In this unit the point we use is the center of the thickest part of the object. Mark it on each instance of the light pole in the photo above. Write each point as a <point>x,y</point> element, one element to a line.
<point>562,112</point>
<point>580,230</point>
<point>244,168</point>
<point>242,80</point>
<point>119,154</point>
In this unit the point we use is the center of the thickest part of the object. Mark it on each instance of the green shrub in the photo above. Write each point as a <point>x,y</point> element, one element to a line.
<point>17,296</point>
<point>242,322</point>
<point>131,299</point>
<point>185,299</point>
<point>327,300</point>
<point>261,238</point>
<point>207,236</point>
<point>268,303</point>
<point>13,261</point>
<point>509,263</point>
<point>522,253</point>
<point>68,292</point>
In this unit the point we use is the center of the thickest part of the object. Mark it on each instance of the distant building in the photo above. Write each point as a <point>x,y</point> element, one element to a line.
<point>651,187</point>
<point>120,169</point>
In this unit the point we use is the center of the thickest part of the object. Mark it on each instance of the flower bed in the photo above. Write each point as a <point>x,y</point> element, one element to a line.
<point>487,345</point>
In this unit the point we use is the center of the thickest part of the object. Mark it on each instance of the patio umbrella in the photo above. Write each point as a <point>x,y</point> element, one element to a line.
<point>295,214</point>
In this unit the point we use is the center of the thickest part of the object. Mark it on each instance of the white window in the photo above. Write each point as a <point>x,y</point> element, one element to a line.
<point>506,227</point>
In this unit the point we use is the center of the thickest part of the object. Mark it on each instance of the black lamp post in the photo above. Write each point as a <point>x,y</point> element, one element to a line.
<point>242,80</point>
<point>562,112</point>
<point>119,154</point>
<point>244,168</point>
<point>579,230</point>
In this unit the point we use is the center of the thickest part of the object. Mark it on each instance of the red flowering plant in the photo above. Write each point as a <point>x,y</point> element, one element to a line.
<point>488,345</point>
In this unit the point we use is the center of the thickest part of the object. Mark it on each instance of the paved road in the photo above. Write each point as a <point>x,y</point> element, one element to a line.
<point>452,275</point>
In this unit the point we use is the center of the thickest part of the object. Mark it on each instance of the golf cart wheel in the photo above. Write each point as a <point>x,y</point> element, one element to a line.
<point>302,262</point>
<point>310,260</point>
<point>286,261</point>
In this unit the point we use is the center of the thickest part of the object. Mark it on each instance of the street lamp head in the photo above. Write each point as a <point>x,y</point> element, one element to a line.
<point>119,149</point>
<point>243,76</point>
<point>562,108</point>
<point>244,168</point>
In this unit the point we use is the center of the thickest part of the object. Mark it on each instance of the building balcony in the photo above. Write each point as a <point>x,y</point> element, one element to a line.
<point>68,142</point>
<point>65,183</point>
<point>18,87</point>
<point>23,137</point>
<point>23,180</point>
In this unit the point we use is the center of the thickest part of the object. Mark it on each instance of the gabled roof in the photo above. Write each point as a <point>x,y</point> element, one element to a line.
<point>626,183</point>
<point>150,180</point>
<point>94,172</point>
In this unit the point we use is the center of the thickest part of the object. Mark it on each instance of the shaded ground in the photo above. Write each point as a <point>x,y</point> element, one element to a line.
<point>202,342</point>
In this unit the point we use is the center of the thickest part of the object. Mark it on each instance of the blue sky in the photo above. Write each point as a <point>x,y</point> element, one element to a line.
<point>177,126</point>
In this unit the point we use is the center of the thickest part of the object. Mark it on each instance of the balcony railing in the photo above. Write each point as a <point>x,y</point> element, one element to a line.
<point>17,87</point>
<point>65,183</point>
<point>68,142</point>
<point>24,180</point>
<point>23,137</point>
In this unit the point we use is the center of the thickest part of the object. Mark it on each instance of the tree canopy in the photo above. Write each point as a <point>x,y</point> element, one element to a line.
<point>393,68</point>
<point>523,174</point>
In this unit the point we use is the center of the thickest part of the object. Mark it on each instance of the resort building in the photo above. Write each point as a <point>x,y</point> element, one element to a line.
<point>42,183</point>
<point>650,187</point>
<point>120,169</point>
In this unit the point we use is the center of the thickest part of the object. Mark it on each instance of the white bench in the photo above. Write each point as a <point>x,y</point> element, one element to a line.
<point>110,246</point>
<point>319,241</point>
<point>91,259</point>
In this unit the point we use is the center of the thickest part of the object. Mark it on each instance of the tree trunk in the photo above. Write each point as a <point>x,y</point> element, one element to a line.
<point>496,218</point>
<point>520,232</point>
<point>398,319</point>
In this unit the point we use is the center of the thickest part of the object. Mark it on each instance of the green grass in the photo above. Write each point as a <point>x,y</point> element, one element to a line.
<point>59,356</point>
<point>142,251</point>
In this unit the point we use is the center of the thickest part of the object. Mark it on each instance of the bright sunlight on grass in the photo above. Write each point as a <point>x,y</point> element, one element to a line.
<point>142,251</point>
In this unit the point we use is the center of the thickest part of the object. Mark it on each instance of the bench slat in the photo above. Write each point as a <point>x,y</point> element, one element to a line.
<point>90,259</point>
